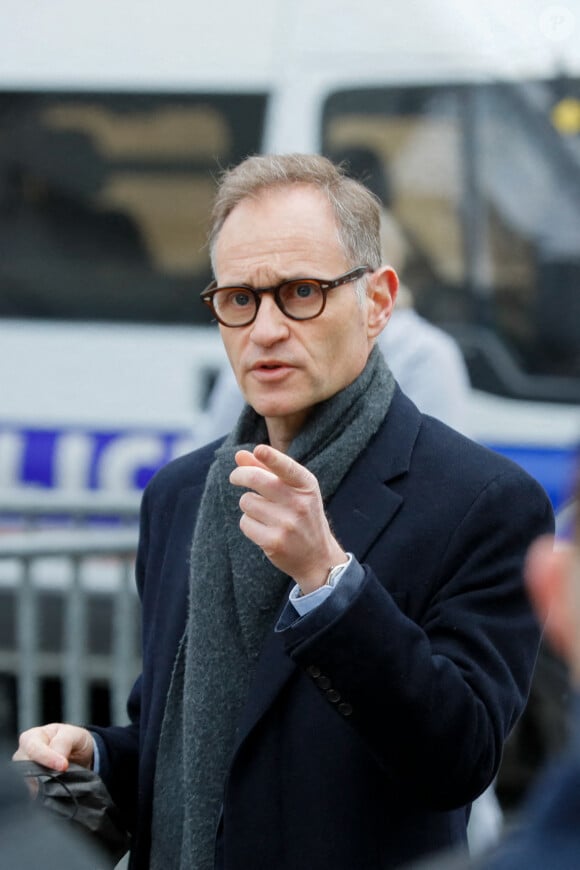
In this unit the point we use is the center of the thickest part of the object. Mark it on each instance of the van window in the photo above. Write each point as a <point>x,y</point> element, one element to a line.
<point>484,183</point>
<point>104,200</point>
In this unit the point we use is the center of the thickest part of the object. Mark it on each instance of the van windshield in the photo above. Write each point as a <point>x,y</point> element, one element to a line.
<point>483,182</point>
<point>104,200</point>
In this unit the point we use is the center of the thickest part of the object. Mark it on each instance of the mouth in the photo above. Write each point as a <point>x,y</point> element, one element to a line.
<point>270,369</point>
<point>269,365</point>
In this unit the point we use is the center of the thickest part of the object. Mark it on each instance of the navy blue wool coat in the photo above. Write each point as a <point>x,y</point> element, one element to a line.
<point>375,720</point>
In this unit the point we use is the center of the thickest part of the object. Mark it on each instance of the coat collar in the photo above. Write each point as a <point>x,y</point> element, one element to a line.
<point>364,505</point>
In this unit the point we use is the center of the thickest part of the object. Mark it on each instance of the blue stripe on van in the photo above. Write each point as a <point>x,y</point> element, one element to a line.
<point>85,459</point>
<point>41,456</point>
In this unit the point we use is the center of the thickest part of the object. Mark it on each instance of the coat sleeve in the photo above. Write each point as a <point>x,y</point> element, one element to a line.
<point>119,745</point>
<point>434,696</point>
<point>168,512</point>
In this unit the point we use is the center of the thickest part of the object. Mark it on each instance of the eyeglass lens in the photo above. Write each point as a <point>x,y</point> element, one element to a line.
<point>298,299</point>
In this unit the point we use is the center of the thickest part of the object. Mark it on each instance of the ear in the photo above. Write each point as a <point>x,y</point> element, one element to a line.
<point>381,295</point>
<point>549,581</point>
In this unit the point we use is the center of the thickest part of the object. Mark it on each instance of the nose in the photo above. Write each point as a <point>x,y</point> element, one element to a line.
<point>271,325</point>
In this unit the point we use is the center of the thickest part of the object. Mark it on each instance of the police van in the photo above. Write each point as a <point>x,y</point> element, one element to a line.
<point>114,120</point>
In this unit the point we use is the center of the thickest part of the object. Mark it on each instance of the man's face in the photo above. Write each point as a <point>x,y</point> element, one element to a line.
<point>285,367</point>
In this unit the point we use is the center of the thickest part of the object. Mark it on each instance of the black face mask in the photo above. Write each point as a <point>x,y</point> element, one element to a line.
<point>79,796</point>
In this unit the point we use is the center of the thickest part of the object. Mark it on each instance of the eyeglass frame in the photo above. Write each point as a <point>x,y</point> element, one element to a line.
<point>207,295</point>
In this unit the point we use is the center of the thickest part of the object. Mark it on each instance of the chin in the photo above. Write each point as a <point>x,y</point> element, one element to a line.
<point>276,407</point>
<point>264,409</point>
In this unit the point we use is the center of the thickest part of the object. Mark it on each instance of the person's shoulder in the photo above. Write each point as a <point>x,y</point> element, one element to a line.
<point>439,437</point>
<point>465,479</point>
<point>471,463</point>
<point>428,363</point>
<point>407,326</point>
<point>183,472</point>
<point>443,457</point>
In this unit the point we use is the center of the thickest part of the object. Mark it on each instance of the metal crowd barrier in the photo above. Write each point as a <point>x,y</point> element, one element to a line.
<point>61,559</point>
<point>37,505</point>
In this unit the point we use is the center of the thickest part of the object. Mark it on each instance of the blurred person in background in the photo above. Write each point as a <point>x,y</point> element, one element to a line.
<point>545,834</point>
<point>425,360</point>
<point>548,832</point>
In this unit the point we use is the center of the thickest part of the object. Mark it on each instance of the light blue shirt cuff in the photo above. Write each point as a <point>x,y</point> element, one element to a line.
<point>304,604</point>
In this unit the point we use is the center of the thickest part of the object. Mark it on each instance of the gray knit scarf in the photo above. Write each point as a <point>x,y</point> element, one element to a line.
<point>235,595</point>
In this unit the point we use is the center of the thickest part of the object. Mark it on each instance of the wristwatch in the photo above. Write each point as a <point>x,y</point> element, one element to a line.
<point>333,573</point>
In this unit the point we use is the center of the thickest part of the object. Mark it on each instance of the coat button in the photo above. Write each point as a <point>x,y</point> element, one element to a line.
<point>333,696</point>
<point>345,709</point>
<point>323,682</point>
<point>314,671</point>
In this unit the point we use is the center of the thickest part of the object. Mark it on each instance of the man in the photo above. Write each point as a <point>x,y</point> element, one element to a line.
<point>351,724</point>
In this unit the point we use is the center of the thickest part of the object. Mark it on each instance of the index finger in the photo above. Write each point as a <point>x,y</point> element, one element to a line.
<point>287,469</point>
<point>246,458</point>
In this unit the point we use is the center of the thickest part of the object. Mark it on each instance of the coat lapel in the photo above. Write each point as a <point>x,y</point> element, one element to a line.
<point>364,504</point>
<point>360,511</point>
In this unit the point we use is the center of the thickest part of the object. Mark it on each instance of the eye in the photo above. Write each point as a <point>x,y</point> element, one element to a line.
<point>300,291</point>
<point>238,299</point>
<point>303,290</point>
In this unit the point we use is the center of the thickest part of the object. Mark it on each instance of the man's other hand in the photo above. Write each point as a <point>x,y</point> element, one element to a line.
<point>55,746</point>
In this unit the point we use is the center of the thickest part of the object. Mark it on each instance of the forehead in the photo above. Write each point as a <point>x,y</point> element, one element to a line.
<point>284,228</point>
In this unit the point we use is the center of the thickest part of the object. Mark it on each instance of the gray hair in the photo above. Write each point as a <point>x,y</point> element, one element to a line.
<point>356,209</point>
